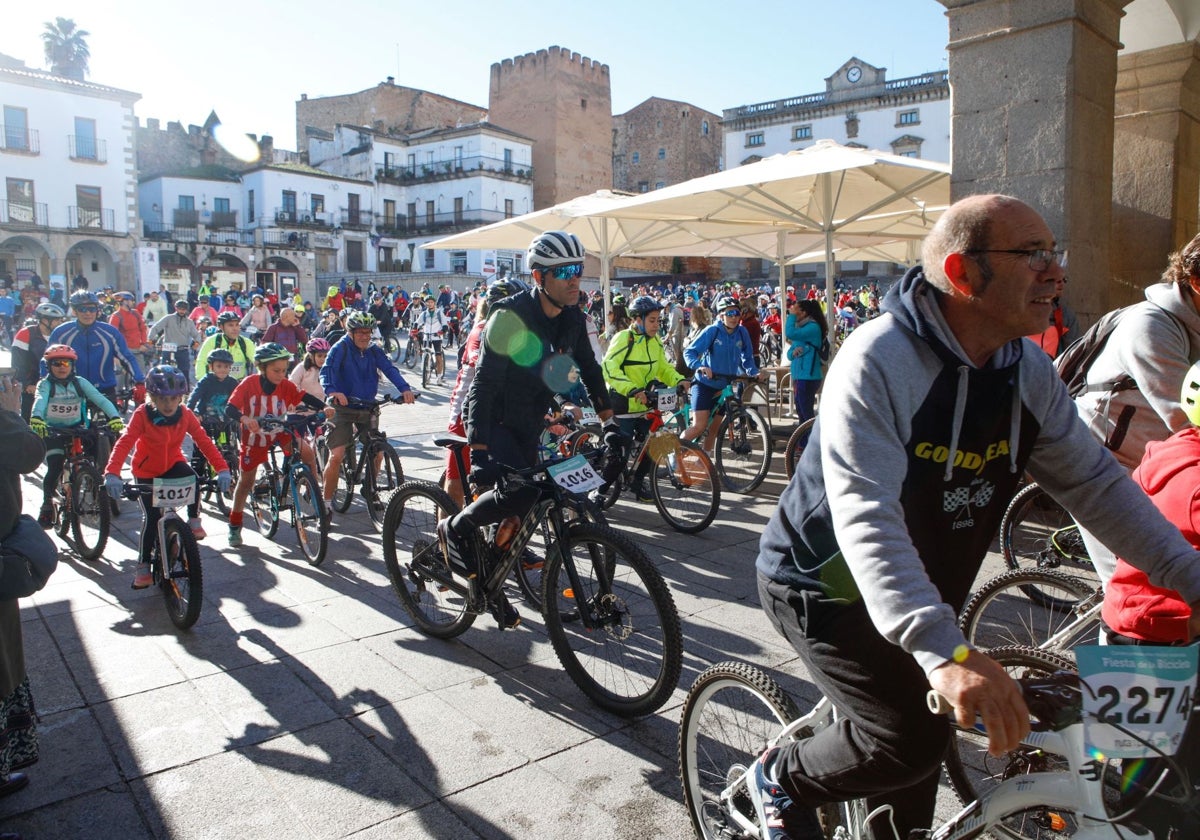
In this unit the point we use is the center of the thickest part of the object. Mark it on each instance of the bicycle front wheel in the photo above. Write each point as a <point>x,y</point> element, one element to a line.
<point>410,355</point>
<point>308,516</point>
<point>743,450</point>
<point>391,346</point>
<point>343,492</point>
<point>379,482</point>
<point>426,369</point>
<point>797,443</point>
<point>91,512</point>
<point>182,580</point>
<point>686,489</point>
<point>415,562</point>
<point>628,661</point>
<point>1001,613</point>
<point>1037,532</point>
<point>731,713</point>
<point>264,504</point>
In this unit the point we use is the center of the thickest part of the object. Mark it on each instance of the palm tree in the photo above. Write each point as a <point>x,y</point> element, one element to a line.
<point>66,48</point>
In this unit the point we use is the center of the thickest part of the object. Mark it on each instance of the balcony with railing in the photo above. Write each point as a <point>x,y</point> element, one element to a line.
<point>87,148</point>
<point>295,217</point>
<point>20,140</point>
<point>24,215</point>
<point>939,78</point>
<point>161,232</point>
<point>285,239</point>
<point>356,219</point>
<point>91,218</point>
<point>185,218</point>
<point>437,223</point>
<point>223,220</point>
<point>465,167</point>
<point>228,236</point>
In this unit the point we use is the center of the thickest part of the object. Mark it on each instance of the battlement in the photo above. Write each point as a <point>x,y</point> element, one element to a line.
<point>561,57</point>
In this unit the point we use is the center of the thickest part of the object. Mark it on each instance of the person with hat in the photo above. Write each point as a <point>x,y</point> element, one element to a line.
<point>230,305</point>
<point>156,307</point>
<point>99,345</point>
<point>203,309</point>
<point>229,337</point>
<point>28,345</point>
<point>180,330</point>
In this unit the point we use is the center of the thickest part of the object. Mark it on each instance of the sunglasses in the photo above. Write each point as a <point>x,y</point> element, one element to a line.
<point>732,313</point>
<point>87,308</point>
<point>565,272</point>
<point>60,363</point>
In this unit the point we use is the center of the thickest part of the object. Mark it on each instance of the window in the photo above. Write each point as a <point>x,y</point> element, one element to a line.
<point>755,139</point>
<point>220,205</point>
<point>429,253</point>
<point>458,157</point>
<point>187,202</point>
<point>354,255</point>
<point>389,213</point>
<point>20,201</point>
<point>16,128</point>
<point>389,163</point>
<point>802,132</point>
<point>582,107</point>
<point>635,157</point>
<point>412,164</point>
<point>429,159</point>
<point>658,185</point>
<point>508,160</point>
<point>317,204</point>
<point>429,214</point>
<point>908,118</point>
<point>458,213</point>
<point>352,209</point>
<point>704,128</point>
<point>87,200</point>
<point>250,205</point>
<point>458,262</point>
<point>412,214</point>
<point>662,154</point>
<point>85,146</point>
<point>289,204</point>
<point>508,208</point>
<point>911,154</point>
<point>643,186</point>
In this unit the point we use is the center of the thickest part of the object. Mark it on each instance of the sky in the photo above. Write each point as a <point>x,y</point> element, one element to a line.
<point>250,62</point>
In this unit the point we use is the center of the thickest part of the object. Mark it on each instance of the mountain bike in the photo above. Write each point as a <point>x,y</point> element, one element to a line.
<point>224,434</point>
<point>174,555</point>
<point>389,343</point>
<point>412,351</point>
<point>290,485</point>
<point>1001,613</point>
<point>608,612</point>
<point>1037,532</point>
<point>429,361</point>
<point>742,450</point>
<point>82,512</point>
<point>370,464</point>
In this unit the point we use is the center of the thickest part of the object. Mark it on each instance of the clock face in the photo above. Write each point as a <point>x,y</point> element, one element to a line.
<point>854,74</point>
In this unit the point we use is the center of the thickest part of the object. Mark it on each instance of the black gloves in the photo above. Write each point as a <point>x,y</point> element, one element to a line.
<point>484,471</point>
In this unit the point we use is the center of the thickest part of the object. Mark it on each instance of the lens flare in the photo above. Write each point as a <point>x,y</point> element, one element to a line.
<point>236,143</point>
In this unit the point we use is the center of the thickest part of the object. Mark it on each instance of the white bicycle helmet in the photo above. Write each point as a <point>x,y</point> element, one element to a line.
<point>554,248</point>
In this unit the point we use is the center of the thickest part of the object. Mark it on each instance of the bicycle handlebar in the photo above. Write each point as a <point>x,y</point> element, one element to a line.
<point>379,402</point>
<point>1056,701</point>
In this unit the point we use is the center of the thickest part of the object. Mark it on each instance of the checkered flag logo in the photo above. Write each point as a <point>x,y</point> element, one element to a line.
<point>956,499</point>
<point>983,495</point>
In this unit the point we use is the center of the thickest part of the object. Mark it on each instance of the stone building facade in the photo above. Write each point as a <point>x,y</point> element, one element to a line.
<point>563,102</point>
<point>662,142</point>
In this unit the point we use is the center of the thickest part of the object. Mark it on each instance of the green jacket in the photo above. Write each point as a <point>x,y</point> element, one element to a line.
<point>633,361</point>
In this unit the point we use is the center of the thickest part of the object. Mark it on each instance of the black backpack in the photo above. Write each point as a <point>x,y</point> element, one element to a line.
<point>1075,362</point>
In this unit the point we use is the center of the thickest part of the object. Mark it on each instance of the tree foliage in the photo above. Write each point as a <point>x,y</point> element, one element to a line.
<point>66,48</point>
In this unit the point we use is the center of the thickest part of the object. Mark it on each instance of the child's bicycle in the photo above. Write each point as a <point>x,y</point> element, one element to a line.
<point>174,555</point>
<point>608,612</point>
<point>82,513</point>
<point>224,434</point>
<point>1050,787</point>
<point>290,485</point>
<point>743,449</point>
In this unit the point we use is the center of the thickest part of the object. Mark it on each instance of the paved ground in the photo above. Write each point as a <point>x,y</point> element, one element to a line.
<point>303,704</point>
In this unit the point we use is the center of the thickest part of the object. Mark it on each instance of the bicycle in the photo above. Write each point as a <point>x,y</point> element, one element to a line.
<point>796,444</point>
<point>1037,532</point>
<point>82,512</point>
<point>224,434</point>
<point>429,361</point>
<point>743,449</point>
<point>683,480</point>
<point>389,343</point>
<point>610,617</point>
<point>174,555</point>
<point>371,464</point>
<point>412,352</point>
<point>290,485</point>
<point>1049,787</point>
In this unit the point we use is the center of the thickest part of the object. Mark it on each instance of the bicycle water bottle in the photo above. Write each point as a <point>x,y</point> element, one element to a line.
<point>506,530</point>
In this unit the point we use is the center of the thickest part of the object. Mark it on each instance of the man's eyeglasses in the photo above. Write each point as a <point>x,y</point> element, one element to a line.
<point>1040,259</point>
<point>61,363</point>
<point>732,313</point>
<point>565,272</point>
<point>82,309</point>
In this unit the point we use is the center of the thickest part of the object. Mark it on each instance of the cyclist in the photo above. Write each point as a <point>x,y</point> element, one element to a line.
<point>99,347</point>
<point>228,337</point>
<point>307,375</point>
<point>155,437</point>
<point>350,377</point>
<point>635,358</point>
<point>259,395</point>
<point>180,330</point>
<point>382,313</point>
<point>133,327</point>
<point>716,353</point>
<point>28,346</point>
<point>61,401</point>
<point>922,439</point>
<point>432,323</point>
<point>530,345</point>
<point>211,394</point>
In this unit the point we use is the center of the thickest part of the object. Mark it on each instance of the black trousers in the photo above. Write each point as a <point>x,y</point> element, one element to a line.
<point>493,506</point>
<point>887,747</point>
<point>151,514</point>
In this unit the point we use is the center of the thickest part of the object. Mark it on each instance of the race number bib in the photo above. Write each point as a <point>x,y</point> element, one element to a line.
<point>1136,694</point>
<point>168,347</point>
<point>173,492</point>
<point>238,370</point>
<point>69,412</point>
<point>590,417</point>
<point>667,402</point>
<point>575,474</point>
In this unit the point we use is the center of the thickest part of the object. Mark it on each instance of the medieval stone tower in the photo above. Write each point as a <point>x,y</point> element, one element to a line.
<point>564,102</point>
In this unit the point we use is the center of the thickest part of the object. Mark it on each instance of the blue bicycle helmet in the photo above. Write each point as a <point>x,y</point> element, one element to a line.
<point>166,381</point>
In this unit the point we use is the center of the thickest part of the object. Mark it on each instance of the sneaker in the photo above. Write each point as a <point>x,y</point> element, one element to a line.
<point>642,492</point>
<point>506,614</point>
<point>142,577</point>
<point>453,549</point>
<point>235,535</point>
<point>778,815</point>
<point>46,516</point>
<point>197,528</point>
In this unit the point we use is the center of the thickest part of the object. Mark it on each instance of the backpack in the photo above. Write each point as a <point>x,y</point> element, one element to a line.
<point>823,350</point>
<point>1075,362</point>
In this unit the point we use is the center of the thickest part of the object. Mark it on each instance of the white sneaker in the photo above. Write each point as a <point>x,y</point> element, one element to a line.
<point>197,528</point>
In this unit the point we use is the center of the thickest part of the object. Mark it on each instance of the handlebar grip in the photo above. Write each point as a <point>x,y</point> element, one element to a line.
<point>937,703</point>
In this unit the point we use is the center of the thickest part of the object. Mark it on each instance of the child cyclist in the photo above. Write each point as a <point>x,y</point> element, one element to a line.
<point>61,402</point>
<point>155,437</point>
<point>268,392</point>
<point>209,398</point>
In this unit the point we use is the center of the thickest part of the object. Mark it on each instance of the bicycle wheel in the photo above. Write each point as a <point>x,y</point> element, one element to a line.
<point>796,445</point>
<point>1036,532</point>
<point>426,369</point>
<point>743,450</point>
<point>731,713</point>
<point>391,346</point>
<point>1001,613</point>
<point>415,562</point>
<point>410,354</point>
<point>628,662</point>
<point>532,563</point>
<point>308,516</point>
<point>264,504</point>
<point>380,482</point>
<point>182,580</point>
<point>90,512</point>
<point>686,489</point>
<point>343,493</point>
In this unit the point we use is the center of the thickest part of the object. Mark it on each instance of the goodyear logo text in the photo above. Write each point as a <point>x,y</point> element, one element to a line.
<point>974,461</point>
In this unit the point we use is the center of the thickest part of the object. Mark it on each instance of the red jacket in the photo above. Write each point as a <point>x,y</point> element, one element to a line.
<point>1170,475</point>
<point>158,448</point>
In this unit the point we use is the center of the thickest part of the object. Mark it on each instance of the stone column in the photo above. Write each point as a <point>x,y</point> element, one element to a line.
<point>1156,168</point>
<point>1032,116</point>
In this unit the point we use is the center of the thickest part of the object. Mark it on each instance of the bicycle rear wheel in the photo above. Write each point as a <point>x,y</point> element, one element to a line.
<point>343,493</point>
<point>182,580</point>
<point>797,443</point>
<point>91,512</point>
<point>380,482</point>
<point>426,368</point>
<point>743,450</point>
<point>628,663</point>
<point>686,489</point>
<point>415,562</point>
<point>1001,613</point>
<point>308,516</point>
<point>731,713</point>
<point>1037,532</point>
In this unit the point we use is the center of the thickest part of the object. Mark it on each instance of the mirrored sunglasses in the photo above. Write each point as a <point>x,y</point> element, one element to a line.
<point>732,313</point>
<point>60,363</point>
<point>566,272</point>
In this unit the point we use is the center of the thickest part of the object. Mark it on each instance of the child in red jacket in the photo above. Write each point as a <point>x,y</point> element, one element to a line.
<point>155,435</point>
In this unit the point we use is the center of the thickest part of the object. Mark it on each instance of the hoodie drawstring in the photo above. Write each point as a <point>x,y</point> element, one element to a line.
<point>1014,421</point>
<point>960,407</point>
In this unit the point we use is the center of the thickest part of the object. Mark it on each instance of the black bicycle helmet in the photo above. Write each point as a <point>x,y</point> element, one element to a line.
<point>220,355</point>
<point>226,317</point>
<point>166,381</point>
<point>642,306</point>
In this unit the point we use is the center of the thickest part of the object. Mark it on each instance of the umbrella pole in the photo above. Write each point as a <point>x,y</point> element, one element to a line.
<point>830,290</point>
<point>780,260</point>
<point>605,282</point>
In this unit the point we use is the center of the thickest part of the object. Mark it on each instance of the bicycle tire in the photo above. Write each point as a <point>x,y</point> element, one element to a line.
<point>796,444</point>
<point>635,617</point>
<point>731,712</point>
<point>392,347</point>
<point>1036,532</point>
<point>410,355</point>
<point>62,505</point>
<point>343,491</point>
<point>265,507</point>
<point>426,368</point>
<point>1001,613</point>
<point>686,489</point>
<point>182,580</point>
<point>308,516</point>
<point>412,554</point>
<point>743,450</point>
<point>529,568</point>
<point>380,483</point>
<point>90,512</point>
